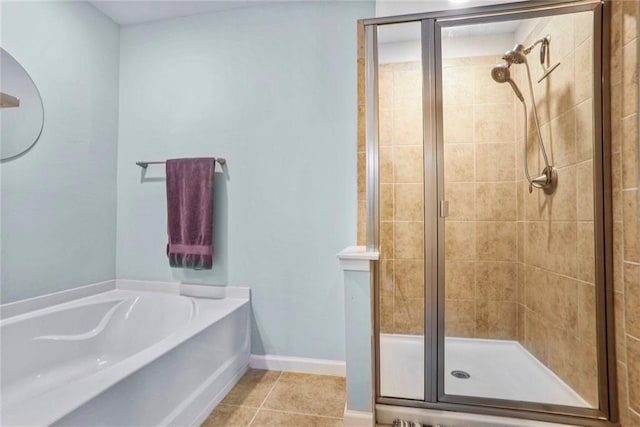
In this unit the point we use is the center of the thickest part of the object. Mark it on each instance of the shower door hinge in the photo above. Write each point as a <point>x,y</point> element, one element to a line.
<point>444,208</point>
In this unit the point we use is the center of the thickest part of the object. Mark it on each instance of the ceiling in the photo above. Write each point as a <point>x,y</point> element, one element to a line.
<point>127,12</point>
<point>135,12</point>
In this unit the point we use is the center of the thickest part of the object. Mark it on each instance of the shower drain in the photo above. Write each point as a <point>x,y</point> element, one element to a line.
<point>461,374</point>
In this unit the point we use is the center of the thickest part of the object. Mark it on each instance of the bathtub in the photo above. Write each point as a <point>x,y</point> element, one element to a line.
<point>123,357</point>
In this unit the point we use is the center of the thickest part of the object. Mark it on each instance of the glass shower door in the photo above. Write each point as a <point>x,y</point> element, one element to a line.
<point>401,188</point>
<point>519,289</point>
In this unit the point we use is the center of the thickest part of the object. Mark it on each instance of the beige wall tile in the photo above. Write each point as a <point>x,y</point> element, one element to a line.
<point>633,366</point>
<point>619,312</point>
<point>362,222</point>
<point>409,240</point>
<point>409,202</point>
<point>616,44</point>
<point>630,78</point>
<point>458,123</point>
<point>562,203</point>
<point>495,162</point>
<point>408,163</point>
<point>535,336</point>
<point>561,28</point>
<point>584,130</point>
<point>629,20</point>
<point>584,71</point>
<point>496,281</point>
<point>496,201</point>
<point>486,90</point>
<point>496,319</point>
<point>461,197</point>
<point>387,240</point>
<point>561,83</point>
<point>496,241</point>
<point>631,216</point>
<point>632,298</point>
<point>386,202</point>
<point>584,176</point>
<point>630,160</point>
<point>407,126</point>
<point>583,26</point>
<point>385,89</point>
<point>459,162</point>
<point>618,269</point>
<point>457,85</point>
<point>407,84</point>
<point>362,176</point>
<point>460,240</point>
<point>386,165</point>
<point>408,315</point>
<point>586,252</point>
<point>493,123</point>
<point>562,145</point>
<point>386,295</point>
<point>459,318</point>
<point>409,278</point>
<point>460,278</point>
<point>385,127</point>
<point>587,312</point>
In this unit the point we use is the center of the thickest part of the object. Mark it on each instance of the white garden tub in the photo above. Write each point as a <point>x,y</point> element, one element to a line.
<point>122,358</point>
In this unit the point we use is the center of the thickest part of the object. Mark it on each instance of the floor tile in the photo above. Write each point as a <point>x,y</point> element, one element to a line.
<point>266,418</point>
<point>252,388</point>
<point>308,394</point>
<point>230,416</point>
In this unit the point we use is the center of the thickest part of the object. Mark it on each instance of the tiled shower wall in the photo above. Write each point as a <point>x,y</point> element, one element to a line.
<point>479,175</point>
<point>556,310</point>
<point>401,199</point>
<point>626,212</point>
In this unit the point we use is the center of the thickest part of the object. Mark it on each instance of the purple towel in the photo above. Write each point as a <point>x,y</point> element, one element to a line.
<point>190,212</point>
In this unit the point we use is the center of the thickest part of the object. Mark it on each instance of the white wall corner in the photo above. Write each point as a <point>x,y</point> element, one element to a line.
<point>358,418</point>
<point>356,258</point>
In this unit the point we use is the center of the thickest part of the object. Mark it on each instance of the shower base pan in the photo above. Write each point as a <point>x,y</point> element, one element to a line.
<point>496,369</point>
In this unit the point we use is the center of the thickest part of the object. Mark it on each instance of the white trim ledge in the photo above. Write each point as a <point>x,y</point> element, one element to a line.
<point>303,365</point>
<point>42,301</point>
<point>358,418</point>
<point>356,258</point>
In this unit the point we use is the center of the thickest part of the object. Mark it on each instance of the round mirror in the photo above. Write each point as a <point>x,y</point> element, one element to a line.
<point>21,110</point>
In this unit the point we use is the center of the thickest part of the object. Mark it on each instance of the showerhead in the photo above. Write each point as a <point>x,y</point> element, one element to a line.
<point>501,74</point>
<point>516,56</point>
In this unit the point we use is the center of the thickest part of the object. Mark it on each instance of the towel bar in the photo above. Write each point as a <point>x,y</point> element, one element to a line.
<point>144,165</point>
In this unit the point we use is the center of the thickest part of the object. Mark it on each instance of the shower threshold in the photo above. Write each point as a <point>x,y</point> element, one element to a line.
<point>498,369</point>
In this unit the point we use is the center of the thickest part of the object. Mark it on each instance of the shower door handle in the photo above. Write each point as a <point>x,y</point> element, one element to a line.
<point>444,208</point>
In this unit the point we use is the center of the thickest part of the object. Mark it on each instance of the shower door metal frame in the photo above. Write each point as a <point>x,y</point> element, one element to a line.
<point>434,396</point>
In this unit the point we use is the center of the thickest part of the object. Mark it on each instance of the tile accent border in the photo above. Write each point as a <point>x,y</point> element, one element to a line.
<point>302,365</point>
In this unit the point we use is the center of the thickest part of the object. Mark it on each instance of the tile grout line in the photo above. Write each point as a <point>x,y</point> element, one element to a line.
<point>306,414</point>
<point>265,398</point>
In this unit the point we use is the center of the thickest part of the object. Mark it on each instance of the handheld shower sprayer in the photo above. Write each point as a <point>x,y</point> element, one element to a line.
<point>501,73</point>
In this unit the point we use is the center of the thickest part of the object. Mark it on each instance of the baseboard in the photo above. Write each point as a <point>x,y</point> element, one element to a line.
<point>298,364</point>
<point>358,418</point>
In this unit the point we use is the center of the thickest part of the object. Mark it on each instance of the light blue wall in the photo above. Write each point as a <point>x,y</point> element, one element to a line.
<point>357,291</point>
<point>58,202</point>
<point>273,89</point>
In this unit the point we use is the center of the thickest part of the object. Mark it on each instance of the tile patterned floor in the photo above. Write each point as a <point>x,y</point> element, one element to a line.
<point>270,398</point>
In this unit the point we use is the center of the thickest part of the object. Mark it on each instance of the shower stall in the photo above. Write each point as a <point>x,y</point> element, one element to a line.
<point>484,175</point>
